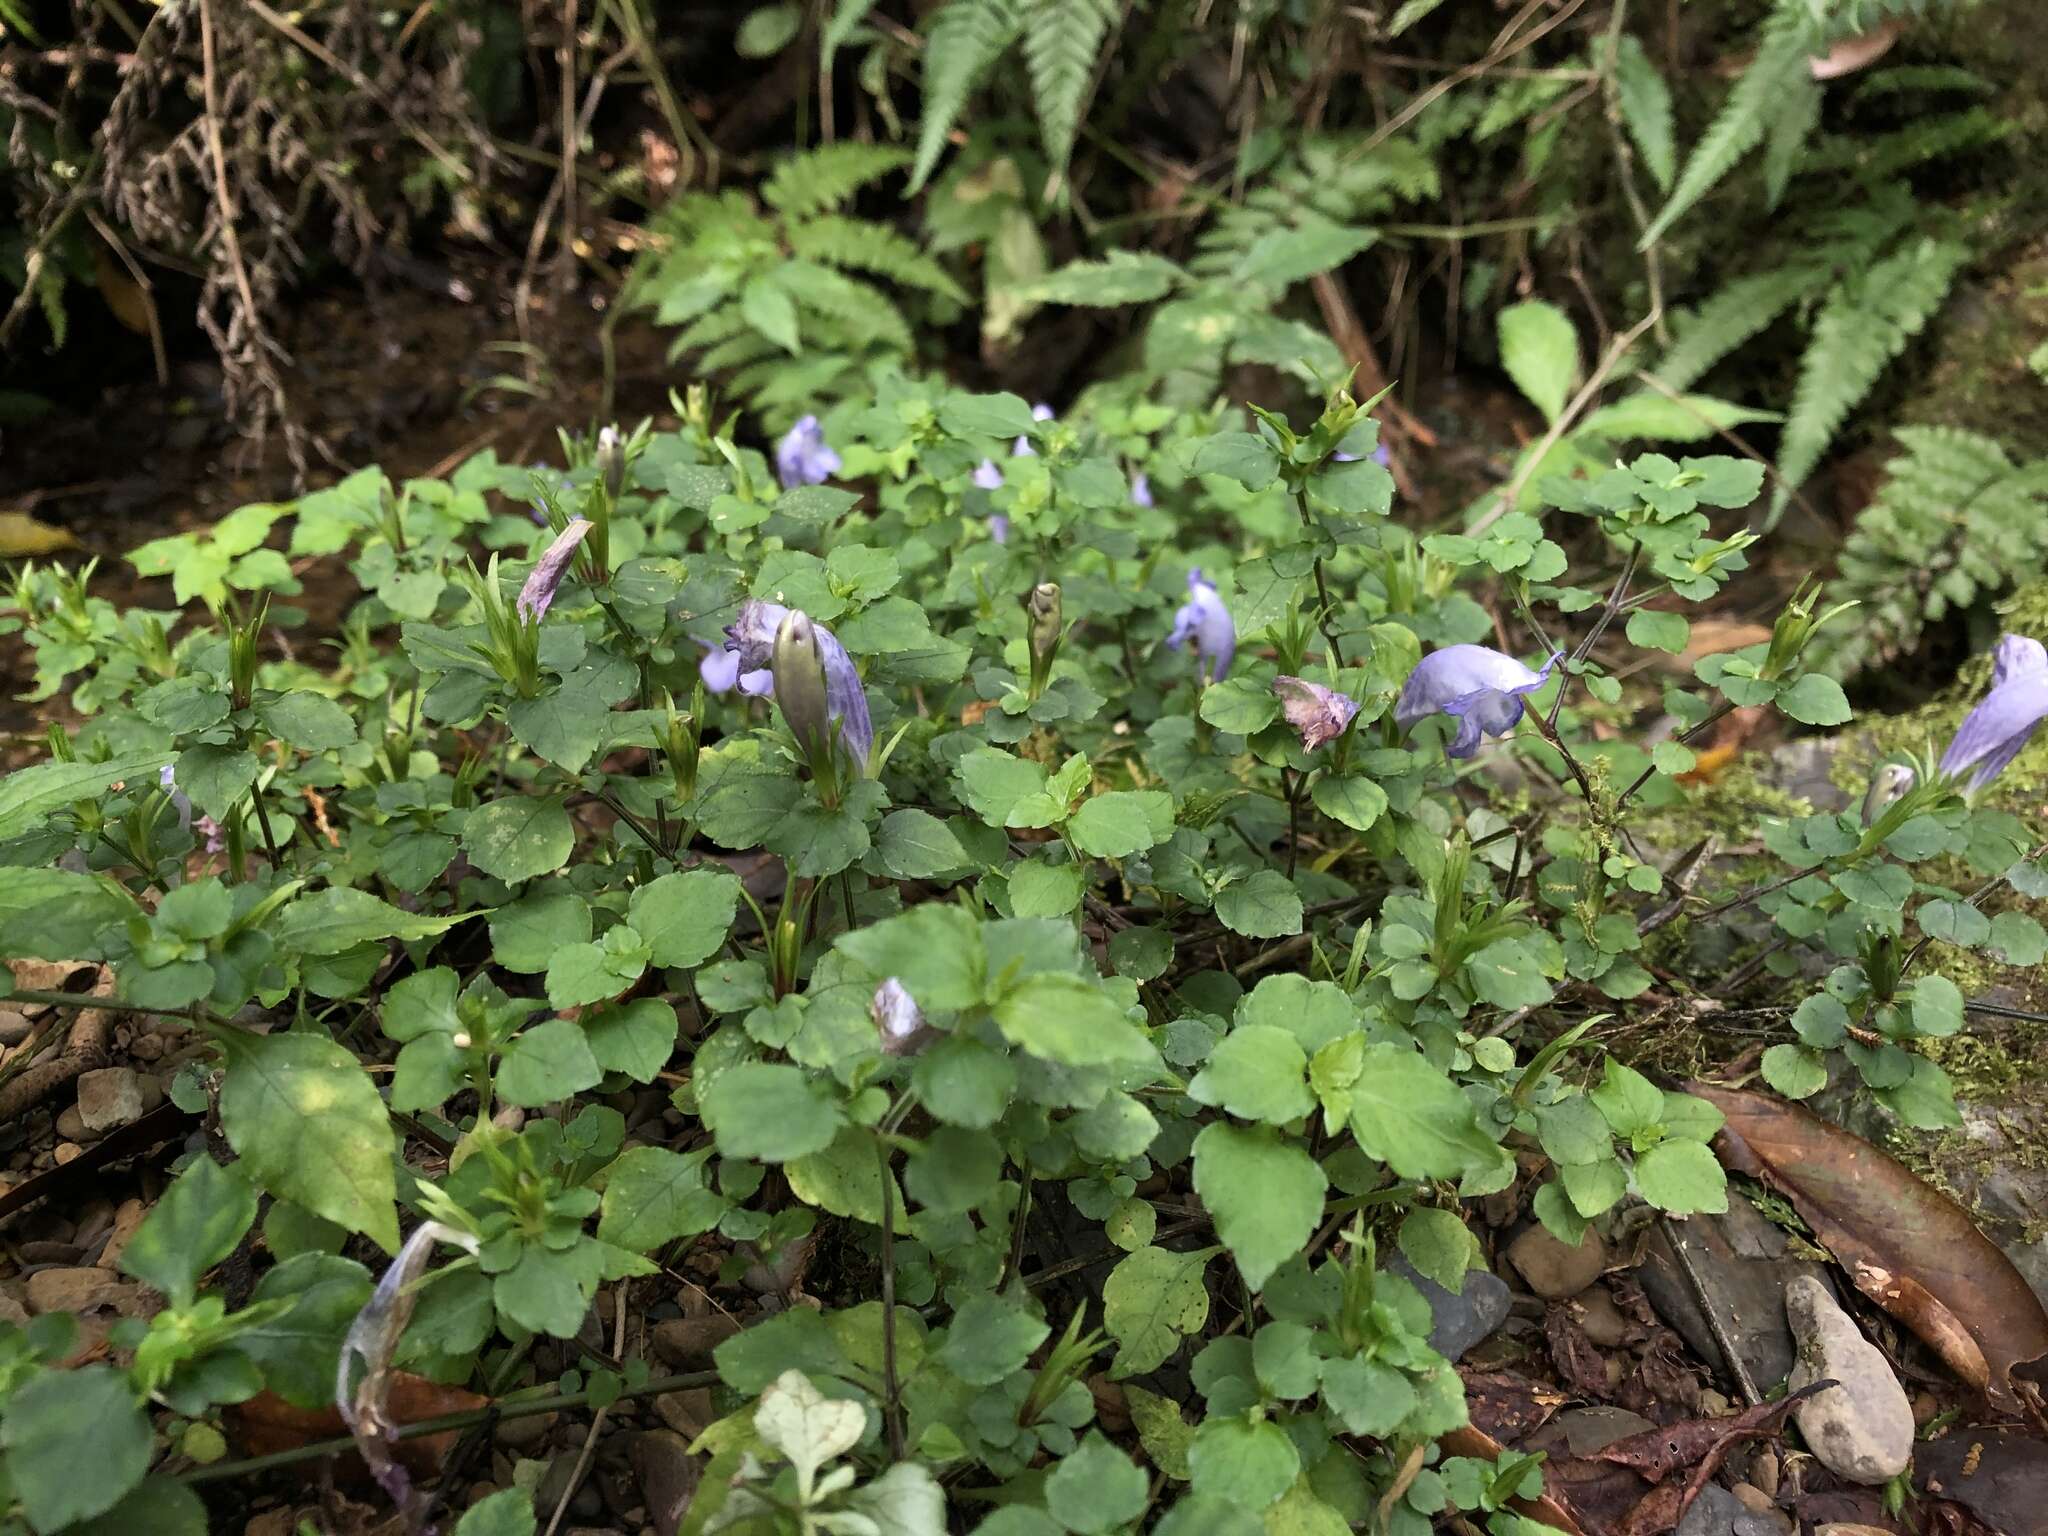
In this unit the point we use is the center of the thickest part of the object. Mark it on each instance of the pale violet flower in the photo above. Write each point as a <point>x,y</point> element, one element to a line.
<point>897,1017</point>
<point>803,457</point>
<point>1380,456</point>
<point>540,588</point>
<point>750,640</point>
<point>1039,412</point>
<point>987,477</point>
<point>720,670</point>
<point>213,836</point>
<point>1204,620</point>
<point>1141,489</point>
<point>1320,714</point>
<point>1480,687</point>
<point>180,801</point>
<point>999,528</point>
<point>1993,733</point>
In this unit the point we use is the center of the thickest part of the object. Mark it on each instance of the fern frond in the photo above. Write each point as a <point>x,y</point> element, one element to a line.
<point>1728,319</point>
<point>1780,67</point>
<point>1863,325</point>
<point>966,37</point>
<point>865,312</point>
<point>1928,138</point>
<point>1062,40</point>
<point>1934,78</point>
<point>1121,277</point>
<point>839,241</point>
<point>1788,123</point>
<point>1645,102</point>
<point>1956,523</point>
<point>825,177</point>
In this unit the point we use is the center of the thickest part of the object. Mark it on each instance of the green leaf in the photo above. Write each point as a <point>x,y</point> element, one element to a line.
<point>989,1338</point>
<point>1630,1101</point>
<point>1257,1072</point>
<point>1353,801</point>
<point>308,1125</point>
<point>1001,415</point>
<point>1796,1071</point>
<point>916,845</point>
<point>1241,456</point>
<point>158,1506</point>
<point>1062,39</point>
<point>1815,700</point>
<point>215,778</point>
<point>769,1112</point>
<point>1440,1246</point>
<point>1682,1177</point>
<point>1122,277</point>
<point>1250,1463</point>
<point>29,795</point>
<point>194,1226</point>
<point>1161,1430</point>
<point>635,1038</point>
<point>51,1418</point>
<point>653,1196</point>
<point>1645,102</point>
<point>339,918</point>
<point>1937,1006</point>
<point>1005,790</point>
<point>1658,630</point>
<point>934,949</point>
<point>1411,1117</point>
<point>508,1512</point>
<point>308,721</point>
<point>547,1062</point>
<point>1040,889</point>
<point>1264,906</point>
<point>519,838</point>
<point>1239,705</point>
<point>1072,1021</point>
<point>1122,822</point>
<point>54,914</point>
<point>1152,1300</point>
<point>1369,1398</point>
<point>563,725</point>
<point>1540,351</point>
<point>1265,1194</point>
<point>685,917</point>
<point>766,305</point>
<point>2017,939</point>
<point>1095,1488</point>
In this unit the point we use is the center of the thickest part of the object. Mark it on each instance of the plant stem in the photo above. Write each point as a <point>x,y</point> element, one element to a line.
<point>892,1401</point>
<point>524,1408</point>
<point>263,822</point>
<point>1324,619</point>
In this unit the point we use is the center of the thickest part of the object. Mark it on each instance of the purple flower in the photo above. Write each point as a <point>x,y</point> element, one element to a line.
<point>546,579</point>
<point>1039,412</point>
<point>1993,733</point>
<point>987,477</point>
<point>803,457</point>
<point>212,834</point>
<point>1481,687</point>
<point>897,1017</point>
<point>1320,714</point>
<point>999,528</point>
<point>720,670</point>
<point>750,640</point>
<point>1380,456</point>
<point>1204,619</point>
<point>1141,490</point>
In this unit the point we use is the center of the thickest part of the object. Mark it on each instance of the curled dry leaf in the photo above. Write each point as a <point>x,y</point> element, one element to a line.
<point>1910,1248</point>
<point>1656,1453</point>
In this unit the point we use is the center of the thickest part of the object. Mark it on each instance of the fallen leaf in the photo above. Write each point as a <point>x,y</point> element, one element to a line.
<point>21,534</point>
<point>1508,1406</point>
<point>1657,1453</point>
<point>1910,1248</point>
<point>267,1423</point>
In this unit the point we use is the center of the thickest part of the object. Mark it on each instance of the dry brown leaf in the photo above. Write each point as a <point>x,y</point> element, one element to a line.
<point>1858,52</point>
<point>267,1423</point>
<point>1910,1248</point>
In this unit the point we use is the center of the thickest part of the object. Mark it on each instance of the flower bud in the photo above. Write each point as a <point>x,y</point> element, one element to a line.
<point>611,463</point>
<point>799,668</point>
<point>897,1017</point>
<point>546,579</point>
<point>1886,785</point>
<point>1043,629</point>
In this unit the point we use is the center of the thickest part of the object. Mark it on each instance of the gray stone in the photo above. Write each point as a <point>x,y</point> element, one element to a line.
<point>667,1474</point>
<point>85,1290</point>
<point>1743,1262</point>
<point>1457,1322</point>
<point>688,1342</point>
<point>1557,1271</point>
<point>110,1098</point>
<point>689,1413</point>
<point>1601,1318</point>
<point>1717,1512</point>
<point>71,1125</point>
<point>1861,1428</point>
<point>1587,1430</point>
<point>14,1026</point>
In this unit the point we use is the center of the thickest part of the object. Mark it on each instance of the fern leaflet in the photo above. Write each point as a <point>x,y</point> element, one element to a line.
<point>1062,39</point>
<point>1730,318</point>
<point>1864,324</point>
<point>824,178</point>
<point>844,242</point>
<point>967,36</point>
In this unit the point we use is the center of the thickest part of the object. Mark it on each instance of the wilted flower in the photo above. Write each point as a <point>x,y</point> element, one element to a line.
<point>897,1017</point>
<point>750,640</point>
<point>1205,620</point>
<point>1141,489</point>
<point>803,457</point>
<point>1320,714</point>
<point>213,837</point>
<point>1886,785</point>
<point>546,579</point>
<point>1479,686</point>
<point>987,477</point>
<point>180,801</point>
<point>1039,412</point>
<point>1993,733</point>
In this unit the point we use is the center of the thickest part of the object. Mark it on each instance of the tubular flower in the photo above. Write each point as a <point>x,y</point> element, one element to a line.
<point>180,801</point>
<point>750,640</point>
<point>546,579</point>
<point>1141,489</point>
<point>1993,733</point>
<point>1480,687</point>
<point>1204,619</point>
<point>1320,714</point>
<point>1039,412</point>
<point>803,457</point>
<point>987,477</point>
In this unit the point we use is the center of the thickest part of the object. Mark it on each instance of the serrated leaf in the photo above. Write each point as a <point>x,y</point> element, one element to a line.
<point>1540,351</point>
<point>1265,1194</point>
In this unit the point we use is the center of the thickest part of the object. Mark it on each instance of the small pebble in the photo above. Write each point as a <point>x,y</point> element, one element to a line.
<point>1554,1270</point>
